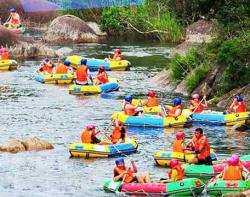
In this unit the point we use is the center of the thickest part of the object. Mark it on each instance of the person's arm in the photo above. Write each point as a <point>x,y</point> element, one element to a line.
<point>129,106</point>
<point>118,177</point>
<point>232,105</point>
<point>205,102</point>
<point>89,76</point>
<point>133,166</point>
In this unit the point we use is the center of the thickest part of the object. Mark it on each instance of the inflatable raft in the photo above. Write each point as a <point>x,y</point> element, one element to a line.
<point>54,78</point>
<point>19,30</point>
<point>94,63</point>
<point>6,65</point>
<point>103,151</point>
<point>217,118</point>
<point>217,187</point>
<point>193,170</point>
<point>186,187</point>
<point>148,120</point>
<point>163,158</point>
<point>112,85</point>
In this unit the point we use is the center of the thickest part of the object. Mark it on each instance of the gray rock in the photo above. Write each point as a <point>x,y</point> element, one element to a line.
<point>96,28</point>
<point>162,79</point>
<point>64,51</point>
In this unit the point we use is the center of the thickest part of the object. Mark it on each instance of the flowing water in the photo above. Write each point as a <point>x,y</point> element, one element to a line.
<point>29,109</point>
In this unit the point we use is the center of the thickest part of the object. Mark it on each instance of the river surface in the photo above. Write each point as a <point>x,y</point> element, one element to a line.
<point>29,108</point>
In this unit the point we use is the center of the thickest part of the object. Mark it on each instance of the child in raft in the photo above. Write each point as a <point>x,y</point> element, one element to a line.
<point>14,19</point>
<point>151,101</point>
<point>175,174</point>
<point>127,174</point>
<point>179,144</point>
<point>89,135</point>
<point>46,66</point>
<point>4,54</point>
<point>101,76</point>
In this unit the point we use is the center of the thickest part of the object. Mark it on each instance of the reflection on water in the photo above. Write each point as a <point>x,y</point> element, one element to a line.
<point>29,109</point>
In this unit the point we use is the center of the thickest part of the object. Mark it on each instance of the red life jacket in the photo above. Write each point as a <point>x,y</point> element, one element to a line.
<point>47,68</point>
<point>116,135</point>
<point>152,102</point>
<point>130,112</point>
<point>180,172</point>
<point>205,152</point>
<point>128,177</point>
<point>116,56</point>
<point>5,55</point>
<point>241,107</point>
<point>81,73</point>
<point>16,19</point>
<point>102,77</point>
<point>173,110</point>
<point>198,109</point>
<point>177,146</point>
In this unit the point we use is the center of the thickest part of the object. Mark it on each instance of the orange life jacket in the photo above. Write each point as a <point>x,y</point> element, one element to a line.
<point>205,152</point>
<point>198,107</point>
<point>47,68</point>
<point>233,173</point>
<point>61,69</point>
<point>177,146</point>
<point>81,73</point>
<point>130,112</point>
<point>128,177</point>
<point>116,56</point>
<point>180,172</point>
<point>86,136</point>
<point>173,110</point>
<point>5,55</point>
<point>16,19</point>
<point>241,107</point>
<point>116,135</point>
<point>102,77</point>
<point>152,102</point>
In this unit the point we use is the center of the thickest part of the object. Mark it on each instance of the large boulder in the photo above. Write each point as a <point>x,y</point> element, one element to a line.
<point>162,79</point>
<point>70,28</point>
<point>12,146</point>
<point>36,144</point>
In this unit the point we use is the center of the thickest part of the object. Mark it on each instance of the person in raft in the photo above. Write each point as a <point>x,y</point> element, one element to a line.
<point>64,68</point>
<point>196,105</point>
<point>117,55</point>
<point>4,54</point>
<point>175,174</point>
<point>172,111</point>
<point>238,105</point>
<point>46,66</point>
<point>83,74</point>
<point>201,147</point>
<point>118,134</point>
<point>234,170</point>
<point>151,101</point>
<point>14,19</point>
<point>179,144</point>
<point>89,135</point>
<point>129,108</point>
<point>101,76</point>
<point>127,175</point>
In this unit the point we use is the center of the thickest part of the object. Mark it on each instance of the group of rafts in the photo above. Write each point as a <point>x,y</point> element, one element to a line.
<point>147,113</point>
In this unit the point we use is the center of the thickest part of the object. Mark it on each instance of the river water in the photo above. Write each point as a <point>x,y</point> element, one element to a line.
<point>29,109</point>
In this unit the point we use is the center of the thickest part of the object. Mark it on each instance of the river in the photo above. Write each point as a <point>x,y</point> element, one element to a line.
<point>29,109</point>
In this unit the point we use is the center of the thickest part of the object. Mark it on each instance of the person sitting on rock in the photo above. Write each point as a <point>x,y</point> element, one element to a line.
<point>101,76</point>
<point>64,68</point>
<point>175,174</point>
<point>127,175</point>
<point>83,73</point>
<point>234,170</point>
<point>14,19</point>
<point>117,55</point>
<point>238,105</point>
<point>196,106</point>
<point>4,54</point>
<point>179,144</point>
<point>46,66</point>
<point>172,111</point>
<point>129,108</point>
<point>151,101</point>
<point>89,135</point>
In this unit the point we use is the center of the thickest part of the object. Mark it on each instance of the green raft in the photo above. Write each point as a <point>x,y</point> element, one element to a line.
<point>186,187</point>
<point>217,187</point>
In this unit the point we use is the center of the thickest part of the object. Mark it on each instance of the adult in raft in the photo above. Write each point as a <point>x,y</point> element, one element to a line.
<point>151,101</point>
<point>238,105</point>
<point>46,66</point>
<point>201,147</point>
<point>4,54</point>
<point>64,68</point>
<point>89,135</point>
<point>128,175</point>
<point>118,134</point>
<point>175,174</point>
<point>14,20</point>
<point>101,76</point>
<point>83,73</point>
<point>129,108</point>
<point>196,104</point>
<point>117,55</point>
<point>234,170</point>
<point>172,111</point>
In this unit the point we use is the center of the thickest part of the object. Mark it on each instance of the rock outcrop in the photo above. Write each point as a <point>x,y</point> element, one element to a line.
<point>162,79</point>
<point>15,146</point>
<point>70,28</point>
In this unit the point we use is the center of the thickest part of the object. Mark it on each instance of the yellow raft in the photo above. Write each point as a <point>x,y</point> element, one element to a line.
<point>8,65</point>
<point>54,78</point>
<point>148,120</point>
<point>103,151</point>
<point>163,158</point>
